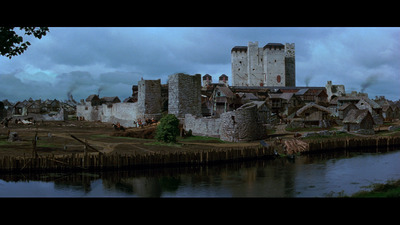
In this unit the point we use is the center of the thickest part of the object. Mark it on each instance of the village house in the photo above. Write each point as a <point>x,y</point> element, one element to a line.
<point>109,100</point>
<point>223,100</point>
<point>346,99</point>
<point>94,100</point>
<point>390,111</point>
<point>360,121</point>
<point>387,113</point>
<point>284,103</point>
<point>311,115</point>
<point>34,107</point>
<point>263,111</point>
<point>344,110</point>
<point>396,112</point>
<point>374,108</point>
<point>317,95</point>
<point>20,108</point>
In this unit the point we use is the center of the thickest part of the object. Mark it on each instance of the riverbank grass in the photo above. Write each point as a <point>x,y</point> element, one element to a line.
<point>390,189</point>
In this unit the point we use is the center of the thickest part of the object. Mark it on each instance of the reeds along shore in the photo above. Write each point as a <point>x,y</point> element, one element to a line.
<point>100,161</point>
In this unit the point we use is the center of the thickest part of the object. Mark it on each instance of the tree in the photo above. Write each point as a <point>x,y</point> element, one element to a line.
<point>168,129</point>
<point>12,44</point>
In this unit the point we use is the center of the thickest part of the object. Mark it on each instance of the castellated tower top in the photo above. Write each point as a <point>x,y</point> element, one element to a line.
<point>271,65</point>
<point>289,50</point>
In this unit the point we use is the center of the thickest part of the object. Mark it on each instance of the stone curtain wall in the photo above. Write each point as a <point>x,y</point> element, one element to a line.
<point>184,94</point>
<point>202,126</point>
<point>124,113</point>
<point>235,126</point>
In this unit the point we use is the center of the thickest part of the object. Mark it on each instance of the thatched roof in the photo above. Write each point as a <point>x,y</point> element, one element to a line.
<point>356,116</point>
<point>385,108</point>
<point>286,96</point>
<point>114,99</point>
<point>371,102</point>
<point>344,106</point>
<point>312,105</point>
<point>91,97</point>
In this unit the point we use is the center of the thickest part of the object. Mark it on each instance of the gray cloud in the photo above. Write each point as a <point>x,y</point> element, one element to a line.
<point>83,61</point>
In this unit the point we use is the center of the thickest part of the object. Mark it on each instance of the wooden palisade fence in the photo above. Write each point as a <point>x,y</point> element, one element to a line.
<point>100,161</point>
<point>373,143</point>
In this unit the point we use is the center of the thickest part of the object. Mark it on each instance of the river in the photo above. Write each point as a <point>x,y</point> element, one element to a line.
<point>317,175</point>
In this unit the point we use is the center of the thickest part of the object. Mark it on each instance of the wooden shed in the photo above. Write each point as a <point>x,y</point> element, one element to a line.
<point>358,119</point>
<point>345,109</point>
<point>94,100</point>
<point>313,114</point>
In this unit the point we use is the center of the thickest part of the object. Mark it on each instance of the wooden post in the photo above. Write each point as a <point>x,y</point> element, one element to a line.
<point>84,142</point>
<point>34,152</point>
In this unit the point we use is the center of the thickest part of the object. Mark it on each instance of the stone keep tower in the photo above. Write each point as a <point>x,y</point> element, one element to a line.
<point>184,94</point>
<point>272,65</point>
<point>290,65</point>
<point>149,99</point>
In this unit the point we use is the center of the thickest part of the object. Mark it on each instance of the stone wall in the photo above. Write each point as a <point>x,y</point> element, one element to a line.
<point>275,66</point>
<point>149,99</point>
<point>202,126</point>
<point>184,94</point>
<point>255,65</point>
<point>242,125</point>
<point>124,113</point>
<point>239,66</point>
<point>235,126</point>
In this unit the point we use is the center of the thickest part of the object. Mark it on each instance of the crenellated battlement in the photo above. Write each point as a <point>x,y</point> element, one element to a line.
<point>271,65</point>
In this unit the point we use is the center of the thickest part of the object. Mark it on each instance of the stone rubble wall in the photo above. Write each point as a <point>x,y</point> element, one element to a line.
<point>202,126</point>
<point>242,125</point>
<point>235,126</point>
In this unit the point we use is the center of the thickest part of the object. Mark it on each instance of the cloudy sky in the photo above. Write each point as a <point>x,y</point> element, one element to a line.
<point>109,60</point>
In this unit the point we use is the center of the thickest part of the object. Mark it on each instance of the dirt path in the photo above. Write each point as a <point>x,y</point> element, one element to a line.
<point>280,129</point>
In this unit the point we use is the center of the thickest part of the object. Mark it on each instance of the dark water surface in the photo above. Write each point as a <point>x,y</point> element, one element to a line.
<point>322,175</point>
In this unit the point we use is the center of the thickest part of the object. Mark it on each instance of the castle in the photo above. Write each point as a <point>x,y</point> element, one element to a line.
<point>271,65</point>
<point>263,93</point>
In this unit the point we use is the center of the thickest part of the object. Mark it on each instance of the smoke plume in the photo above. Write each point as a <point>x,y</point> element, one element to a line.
<point>370,80</point>
<point>308,79</point>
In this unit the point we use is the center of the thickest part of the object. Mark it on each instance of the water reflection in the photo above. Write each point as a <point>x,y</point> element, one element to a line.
<point>319,175</point>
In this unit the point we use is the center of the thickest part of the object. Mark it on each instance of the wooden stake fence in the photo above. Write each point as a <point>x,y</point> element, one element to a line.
<point>355,143</point>
<point>95,161</point>
<point>99,161</point>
